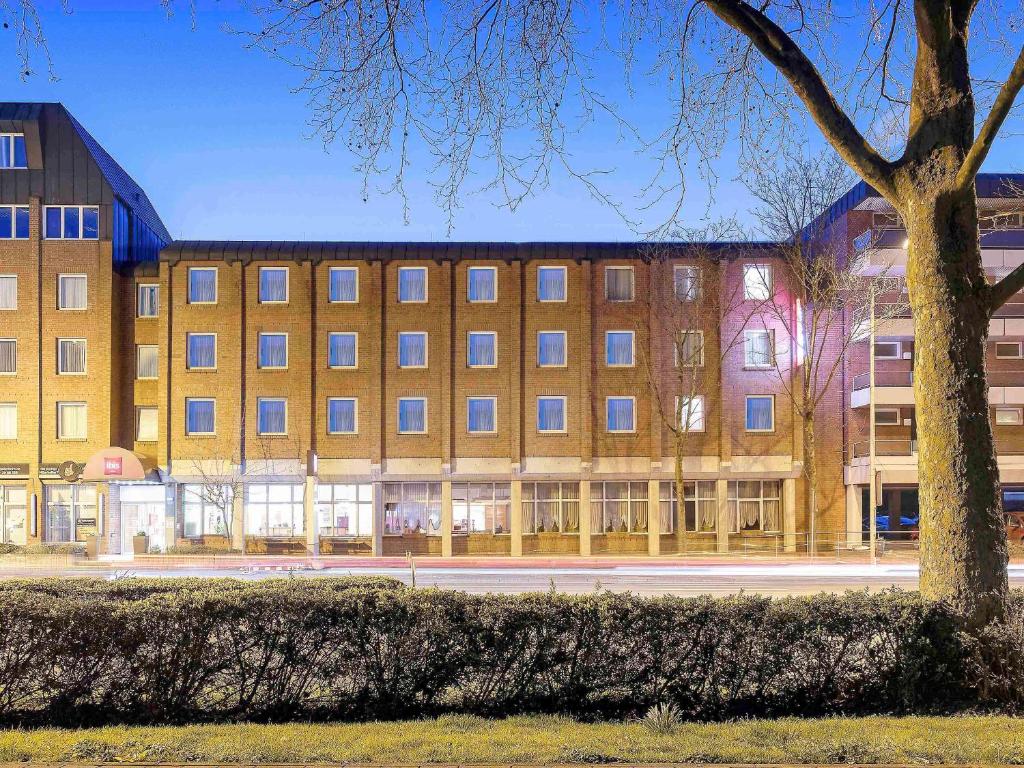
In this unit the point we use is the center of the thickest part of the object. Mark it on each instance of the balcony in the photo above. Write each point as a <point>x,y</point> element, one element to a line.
<point>891,388</point>
<point>886,448</point>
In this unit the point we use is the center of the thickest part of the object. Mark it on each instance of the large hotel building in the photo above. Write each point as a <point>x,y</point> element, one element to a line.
<point>427,398</point>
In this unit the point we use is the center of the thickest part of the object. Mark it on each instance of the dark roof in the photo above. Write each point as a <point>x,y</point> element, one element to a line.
<point>14,110</point>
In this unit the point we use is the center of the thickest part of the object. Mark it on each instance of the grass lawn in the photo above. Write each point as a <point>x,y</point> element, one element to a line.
<point>539,740</point>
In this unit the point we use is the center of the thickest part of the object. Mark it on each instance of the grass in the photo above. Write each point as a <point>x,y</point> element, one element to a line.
<point>538,740</point>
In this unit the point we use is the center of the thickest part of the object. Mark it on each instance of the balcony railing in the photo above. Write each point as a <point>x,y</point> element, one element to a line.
<point>887,379</point>
<point>889,447</point>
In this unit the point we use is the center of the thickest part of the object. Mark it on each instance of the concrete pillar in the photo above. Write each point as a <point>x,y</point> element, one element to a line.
<point>446,518</point>
<point>722,523</point>
<point>585,518</point>
<point>653,518</point>
<point>789,514</point>
<point>516,519</point>
<point>238,520</point>
<point>377,527</point>
<point>310,522</point>
<point>854,524</point>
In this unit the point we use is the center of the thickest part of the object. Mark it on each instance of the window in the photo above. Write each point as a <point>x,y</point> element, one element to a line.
<point>551,284</point>
<point>72,222</point>
<point>480,415</point>
<point>342,350</point>
<point>412,415</point>
<point>888,350</point>
<point>481,349</point>
<point>71,421</point>
<point>412,350</point>
<point>690,413</point>
<point>273,285</point>
<point>551,414</point>
<point>551,508</point>
<point>273,351</point>
<point>755,505</point>
<point>12,151</point>
<point>345,510</point>
<point>887,417</point>
<point>686,282</point>
<point>8,291</point>
<point>14,222</point>
<point>412,284</point>
<point>689,349</point>
<point>758,349</point>
<point>618,283</point>
<point>207,510</point>
<point>274,511</point>
<point>481,507</point>
<point>146,361</point>
<point>8,356</point>
<point>551,349</point>
<point>343,286</point>
<point>1008,416</point>
<point>886,220</point>
<point>200,416</point>
<point>72,291</point>
<point>202,285</point>
<point>13,513</point>
<point>8,421</point>
<point>757,282</point>
<point>71,356</point>
<point>201,351</point>
<point>618,507</point>
<point>760,413</point>
<point>619,412</point>
<point>146,424</point>
<point>271,416</point>
<point>412,508</point>
<point>341,416</point>
<point>700,506</point>
<point>67,506</point>
<point>1006,349</point>
<point>147,300</point>
<point>482,285</point>
<point>618,348</point>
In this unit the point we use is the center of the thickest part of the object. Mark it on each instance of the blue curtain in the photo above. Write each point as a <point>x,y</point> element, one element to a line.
<point>202,350</point>
<point>481,284</point>
<point>412,415</point>
<point>344,284</point>
<point>551,348</point>
<point>551,284</point>
<point>550,414</point>
<point>412,349</point>
<point>273,350</point>
<point>760,413</point>
<point>620,414</point>
<point>271,417</point>
<point>412,284</point>
<point>619,348</point>
<point>341,350</point>
<point>199,416</point>
<point>202,285</point>
<point>481,414</point>
<point>341,415</point>
<point>273,284</point>
<point>481,349</point>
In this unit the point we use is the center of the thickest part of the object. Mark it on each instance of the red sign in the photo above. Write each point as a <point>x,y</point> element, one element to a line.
<point>112,466</point>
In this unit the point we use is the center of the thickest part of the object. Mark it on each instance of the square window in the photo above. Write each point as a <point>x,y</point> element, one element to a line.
<point>341,416</point>
<point>1007,349</point>
<point>887,417</point>
<point>342,350</point>
<point>12,151</point>
<point>690,413</point>
<point>147,300</point>
<point>620,416</point>
<point>8,291</point>
<point>551,284</point>
<point>412,350</point>
<point>344,285</point>
<point>72,292</point>
<point>201,351</point>
<point>271,416</point>
<point>147,361</point>
<point>412,284</point>
<point>1009,416</point>
<point>273,285</point>
<point>618,283</point>
<point>202,285</point>
<point>412,415</point>
<point>71,356</point>
<point>757,282</point>
<point>273,351</point>
<point>146,421</point>
<point>200,416</point>
<point>482,284</point>
<point>618,348</point>
<point>686,282</point>
<point>480,414</point>
<point>71,421</point>
<point>551,414</point>
<point>481,349</point>
<point>8,356</point>
<point>8,421</point>
<point>760,413</point>
<point>551,349</point>
<point>690,349</point>
<point>758,349</point>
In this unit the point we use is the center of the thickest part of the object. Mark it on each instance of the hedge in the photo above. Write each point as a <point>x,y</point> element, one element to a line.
<point>84,652</point>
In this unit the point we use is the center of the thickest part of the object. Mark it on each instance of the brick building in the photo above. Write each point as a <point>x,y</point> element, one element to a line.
<point>442,398</point>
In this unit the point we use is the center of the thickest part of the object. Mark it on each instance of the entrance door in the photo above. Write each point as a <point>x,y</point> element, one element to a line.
<point>143,510</point>
<point>13,509</point>
<point>59,514</point>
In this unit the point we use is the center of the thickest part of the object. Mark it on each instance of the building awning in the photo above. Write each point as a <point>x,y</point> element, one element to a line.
<point>113,464</point>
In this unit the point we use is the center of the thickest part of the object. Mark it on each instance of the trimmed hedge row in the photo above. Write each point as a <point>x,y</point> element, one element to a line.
<point>81,652</point>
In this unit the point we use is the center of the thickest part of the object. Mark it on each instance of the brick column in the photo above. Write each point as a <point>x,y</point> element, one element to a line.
<point>722,524</point>
<point>310,521</point>
<point>516,519</point>
<point>446,518</point>
<point>585,515</point>
<point>789,514</point>
<point>377,526</point>
<point>653,518</point>
<point>854,523</point>
<point>238,521</point>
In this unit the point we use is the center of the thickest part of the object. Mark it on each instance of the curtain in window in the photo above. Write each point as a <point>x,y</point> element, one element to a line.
<point>148,362</point>
<point>72,420</point>
<point>412,285</point>
<point>199,416</point>
<point>271,417</point>
<point>570,507</point>
<point>691,348</point>
<point>759,348</point>
<point>619,348</point>
<point>691,413</point>
<point>273,350</point>
<point>202,351</point>
<point>551,349</point>
<point>412,415</point>
<point>273,284</point>
<point>550,284</point>
<point>687,283</point>
<point>73,292</point>
<point>145,429</point>
<point>341,350</point>
<point>550,414</point>
<point>772,511</point>
<point>341,415</point>
<point>344,284</point>
<point>481,349</point>
<point>8,421</point>
<point>148,301</point>
<point>481,414</point>
<point>759,413</point>
<point>72,356</point>
<point>202,285</point>
<point>481,284</point>
<point>638,506</point>
<point>412,349</point>
<point>620,414</point>
<point>8,356</point>
<point>618,284</point>
<point>757,281</point>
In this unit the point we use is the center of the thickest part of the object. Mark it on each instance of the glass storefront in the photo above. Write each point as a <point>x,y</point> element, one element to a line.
<point>13,514</point>
<point>143,511</point>
<point>618,507</point>
<point>700,504</point>
<point>755,505</point>
<point>274,510</point>
<point>412,508</point>
<point>481,507</point>
<point>344,510</point>
<point>551,508</point>
<point>70,512</point>
<point>206,510</point>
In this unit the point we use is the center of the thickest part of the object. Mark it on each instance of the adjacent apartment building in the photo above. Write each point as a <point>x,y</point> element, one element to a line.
<point>428,398</point>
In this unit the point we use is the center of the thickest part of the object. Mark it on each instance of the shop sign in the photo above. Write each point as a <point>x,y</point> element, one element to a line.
<point>13,470</point>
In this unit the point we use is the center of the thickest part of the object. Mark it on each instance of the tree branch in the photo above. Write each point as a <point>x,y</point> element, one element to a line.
<point>1001,292</point>
<point>987,135</point>
<point>785,55</point>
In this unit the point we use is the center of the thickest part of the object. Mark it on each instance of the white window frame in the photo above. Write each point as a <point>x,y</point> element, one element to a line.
<point>355,415</point>
<point>8,276</point>
<point>188,286</point>
<point>14,222</point>
<point>355,336</point>
<point>138,421</point>
<point>81,222</point>
<point>15,371</point>
<point>201,400</point>
<point>216,356</point>
<point>565,283</point>
<point>60,281</point>
<point>632,349</point>
<point>398,416</point>
<point>10,136</point>
<point>494,344</point>
<point>607,426</point>
<point>897,422</point>
<point>138,357</point>
<point>565,350</point>
<point>759,268</point>
<point>898,345</point>
<point>494,273</point>
<point>14,406</point>
<point>426,350</point>
<point>1015,344</point>
<point>632,283</point>
<point>747,335</point>
<point>758,397</point>
<point>138,292</point>
<point>677,268</point>
<point>287,285</point>
<point>330,271</point>
<point>675,351</point>
<point>565,415</point>
<point>60,356</point>
<point>287,352</point>
<point>494,414</point>
<point>426,286</point>
<point>1018,416</point>
<point>61,405</point>
<point>689,414</point>
<point>259,402</point>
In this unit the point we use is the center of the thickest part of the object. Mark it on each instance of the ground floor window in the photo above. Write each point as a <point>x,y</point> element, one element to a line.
<point>618,507</point>
<point>481,507</point>
<point>755,505</point>
<point>13,514</point>
<point>68,509</point>
<point>207,510</point>
<point>274,510</point>
<point>412,508</point>
<point>345,509</point>
<point>700,506</point>
<point>551,507</point>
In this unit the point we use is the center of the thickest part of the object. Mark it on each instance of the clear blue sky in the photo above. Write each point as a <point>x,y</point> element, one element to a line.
<point>216,137</point>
